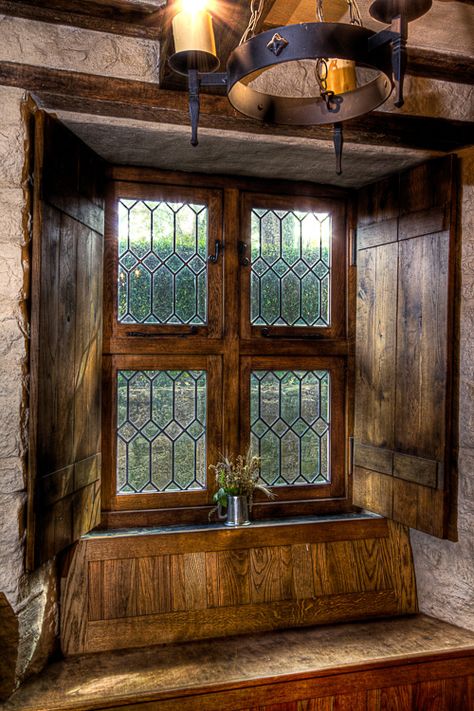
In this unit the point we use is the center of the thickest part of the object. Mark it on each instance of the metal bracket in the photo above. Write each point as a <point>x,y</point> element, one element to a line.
<point>195,81</point>
<point>397,35</point>
<point>243,259</point>
<point>194,86</point>
<point>338,140</point>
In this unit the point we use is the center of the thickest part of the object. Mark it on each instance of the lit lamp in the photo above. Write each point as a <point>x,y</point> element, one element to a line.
<point>338,49</point>
<point>194,42</point>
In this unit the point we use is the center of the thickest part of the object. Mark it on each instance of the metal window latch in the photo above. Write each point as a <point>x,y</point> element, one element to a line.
<point>243,259</point>
<point>214,258</point>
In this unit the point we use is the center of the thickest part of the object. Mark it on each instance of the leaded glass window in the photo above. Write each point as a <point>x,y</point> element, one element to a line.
<point>291,268</point>
<point>162,276</point>
<point>290,425</point>
<point>161,431</point>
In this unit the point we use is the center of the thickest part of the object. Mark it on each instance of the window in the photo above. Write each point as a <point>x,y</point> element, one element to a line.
<point>225,328</point>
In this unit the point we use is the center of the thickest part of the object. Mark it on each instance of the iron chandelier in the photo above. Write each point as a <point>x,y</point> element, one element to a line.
<point>356,70</point>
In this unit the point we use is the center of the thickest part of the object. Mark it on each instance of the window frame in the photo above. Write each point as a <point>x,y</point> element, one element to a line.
<point>127,190</point>
<point>336,328</point>
<point>231,347</point>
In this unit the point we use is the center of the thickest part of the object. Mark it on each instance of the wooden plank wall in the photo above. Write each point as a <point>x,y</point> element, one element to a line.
<point>135,591</point>
<point>66,341</point>
<point>405,448</point>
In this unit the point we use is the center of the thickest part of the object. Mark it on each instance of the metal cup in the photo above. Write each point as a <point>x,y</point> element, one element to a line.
<point>237,511</point>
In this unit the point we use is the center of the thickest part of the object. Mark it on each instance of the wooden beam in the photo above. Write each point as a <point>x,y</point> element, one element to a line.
<point>442,66</point>
<point>145,101</point>
<point>118,18</point>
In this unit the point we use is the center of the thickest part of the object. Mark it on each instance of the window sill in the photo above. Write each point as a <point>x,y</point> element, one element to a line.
<point>265,532</point>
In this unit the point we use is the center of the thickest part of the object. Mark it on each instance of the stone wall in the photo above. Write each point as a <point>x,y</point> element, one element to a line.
<point>444,570</point>
<point>32,597</point>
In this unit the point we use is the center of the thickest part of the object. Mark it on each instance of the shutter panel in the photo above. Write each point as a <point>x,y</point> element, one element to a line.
<point>66,340</point>
<point>403,463</point>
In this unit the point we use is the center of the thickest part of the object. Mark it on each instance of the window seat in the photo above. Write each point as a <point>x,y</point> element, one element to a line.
<point>416,662</point>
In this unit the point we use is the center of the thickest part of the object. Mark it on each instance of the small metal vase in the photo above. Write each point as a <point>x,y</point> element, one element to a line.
<point>237,512</point>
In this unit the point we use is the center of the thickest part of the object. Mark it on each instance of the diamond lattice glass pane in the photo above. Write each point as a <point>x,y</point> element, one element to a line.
<point>161,432</point>
<point>291,268</point>
<point>290,425</point>
<point>162,250</point>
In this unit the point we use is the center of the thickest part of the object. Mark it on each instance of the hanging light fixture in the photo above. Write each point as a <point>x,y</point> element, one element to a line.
<point>356,70</point>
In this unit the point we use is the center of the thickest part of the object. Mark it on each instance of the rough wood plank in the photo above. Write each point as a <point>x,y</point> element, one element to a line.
<point>265,575</point>
<point>94,16</point>
<point>95,593</point>
<point>392,698</point>
<point>402,568</point>
<point>376,346</point>
<point>373,491</point>
<point>119,593</point>
<point>85,93</point>
<point>199,624</point>
<point>66,340</point>
<point>416,469</point>
<point>153,585</point>
<point>74,602</point>
<point>212,540</point>
<point>424,222</point>
<point>234,584</point>
<point>303,581</point>
<point>422,346</point>
<point>374,458</point>
<point>314,662</point>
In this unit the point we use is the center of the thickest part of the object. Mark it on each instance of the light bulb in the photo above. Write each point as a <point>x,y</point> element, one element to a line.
<point>193,5</point>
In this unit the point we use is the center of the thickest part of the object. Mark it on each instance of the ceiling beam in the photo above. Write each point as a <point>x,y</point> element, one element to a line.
<point>118,18</point>
<point>126,99</point>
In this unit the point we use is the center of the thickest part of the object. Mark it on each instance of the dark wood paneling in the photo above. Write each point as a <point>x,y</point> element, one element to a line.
<point>66,335</point>
<point>405,354</point>
<point>142,590</point>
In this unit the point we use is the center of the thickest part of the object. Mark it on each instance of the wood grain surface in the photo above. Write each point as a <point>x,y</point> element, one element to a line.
<point>406,664</point>
<point>406,350</point>
<point>170,587</point>
<point>66,341</point>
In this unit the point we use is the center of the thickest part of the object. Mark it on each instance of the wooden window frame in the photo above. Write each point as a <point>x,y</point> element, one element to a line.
<point>113,330</point>
<point>164,500</point>
<point>336,369</point>
<point>229,350</point>
<point>336,328</point>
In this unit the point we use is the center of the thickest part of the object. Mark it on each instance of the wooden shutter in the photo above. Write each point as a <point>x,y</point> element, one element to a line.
<point>66,341</point>
<point>403,449</point>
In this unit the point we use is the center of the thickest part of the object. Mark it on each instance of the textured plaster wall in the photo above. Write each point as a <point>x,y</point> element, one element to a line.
<point>444,570</point>
<point>32,597</point>
<point>77,50</point>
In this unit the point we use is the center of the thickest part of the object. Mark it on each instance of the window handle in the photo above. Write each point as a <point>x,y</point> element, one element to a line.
<point>243,259</point>
<point>214,258</point>
<point>269,333</point>
<point>140,334</point>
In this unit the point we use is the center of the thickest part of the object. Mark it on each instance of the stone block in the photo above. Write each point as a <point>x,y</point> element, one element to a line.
<point>12,475</point>
<point>11,544</point>
<point>11,216</point>
<point>78,50</point>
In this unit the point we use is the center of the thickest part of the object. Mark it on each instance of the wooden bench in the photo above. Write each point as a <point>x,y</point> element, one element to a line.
<point>411,663</point>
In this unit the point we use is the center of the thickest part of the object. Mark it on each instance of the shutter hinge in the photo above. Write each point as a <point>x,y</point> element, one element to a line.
<point>353,246</point>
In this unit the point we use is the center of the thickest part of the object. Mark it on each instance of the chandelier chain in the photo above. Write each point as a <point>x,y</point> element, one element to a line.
<point>256,10</point>
<point>354,12</point>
